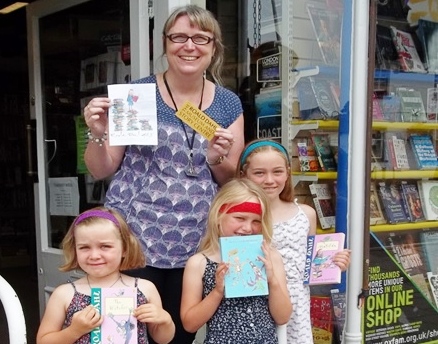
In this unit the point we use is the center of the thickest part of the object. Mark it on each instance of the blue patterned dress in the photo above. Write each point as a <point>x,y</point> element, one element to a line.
<point>80,301</point>
<point>243,320</point>
<point>290,239</point>
<point>164,207</point>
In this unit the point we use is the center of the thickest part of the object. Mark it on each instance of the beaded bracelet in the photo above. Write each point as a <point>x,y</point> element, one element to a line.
<point>217,162</point>
<point>98,140</point>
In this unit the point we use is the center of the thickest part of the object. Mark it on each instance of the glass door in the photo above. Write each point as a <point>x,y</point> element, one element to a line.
<point>76,48</point>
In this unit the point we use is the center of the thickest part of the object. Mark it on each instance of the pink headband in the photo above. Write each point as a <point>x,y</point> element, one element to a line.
<point>245,207</point>
<point>96,213</point>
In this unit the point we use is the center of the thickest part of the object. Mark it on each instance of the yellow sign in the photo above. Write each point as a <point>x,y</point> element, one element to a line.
<point>197,120</point>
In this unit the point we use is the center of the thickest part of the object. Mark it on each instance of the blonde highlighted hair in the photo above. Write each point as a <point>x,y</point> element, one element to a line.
<point>232,193</point>
<point>133,256</point>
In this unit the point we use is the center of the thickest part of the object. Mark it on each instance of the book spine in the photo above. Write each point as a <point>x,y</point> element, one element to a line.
<point>96,302</point>
<point>391,153</point>
<point>309,255</point>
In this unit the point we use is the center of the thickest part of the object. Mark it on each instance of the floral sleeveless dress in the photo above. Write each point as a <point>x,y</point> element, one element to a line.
<point>290,239</point>
<point>80,301</point>
<point>243,320</point>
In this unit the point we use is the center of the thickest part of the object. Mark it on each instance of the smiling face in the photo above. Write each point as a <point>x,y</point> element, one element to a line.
<point>241,223</point>
<point>268,169</point>
<point>99,248</point>
<point>188,57</point>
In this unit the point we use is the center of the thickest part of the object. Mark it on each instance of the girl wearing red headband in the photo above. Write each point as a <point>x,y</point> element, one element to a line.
<point>239,208</point>
<point>100,243</point>
<point>267,163</point>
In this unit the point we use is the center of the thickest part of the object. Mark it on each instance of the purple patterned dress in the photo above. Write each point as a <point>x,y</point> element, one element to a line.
<point>165,208</point>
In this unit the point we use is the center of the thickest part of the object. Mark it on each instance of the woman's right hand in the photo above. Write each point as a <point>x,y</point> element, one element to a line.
<point>95,115</point>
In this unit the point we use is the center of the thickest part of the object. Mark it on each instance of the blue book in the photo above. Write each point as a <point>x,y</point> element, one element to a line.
<point>246,275</point>
<point>424,151</point>
<point>392,202</point>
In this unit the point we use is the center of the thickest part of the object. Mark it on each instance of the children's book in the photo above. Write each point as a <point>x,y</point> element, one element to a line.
<point>424,151</point>
<point>321,318</point>
<point>412,201</point>
<point>324,152</point>
<point>392,202</point>
<point>412,106</point>
<point>320,268</point>
<point>339,305</point>
<point>428,190</point>
<point>429,241</point>
<point>407,52</point>
<point>323,201</point>
<point>307,156</point>
<point>432,104</point>
<point>246,275</point>
<point>324,98</point>
<point>376,212</point>
<point>116,306</point>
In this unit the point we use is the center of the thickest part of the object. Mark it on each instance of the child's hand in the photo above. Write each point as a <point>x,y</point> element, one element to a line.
<point>221,270</point>
<point>151,313</point>
<point>267,261</point>
<point>85,320</point>
<point>342,259</point>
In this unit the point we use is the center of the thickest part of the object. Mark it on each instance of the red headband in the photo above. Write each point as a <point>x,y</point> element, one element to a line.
<point>245,207</point>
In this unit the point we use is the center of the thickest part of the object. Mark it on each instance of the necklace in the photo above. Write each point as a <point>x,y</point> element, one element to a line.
<point>190,170</point>
<point>112,285</point>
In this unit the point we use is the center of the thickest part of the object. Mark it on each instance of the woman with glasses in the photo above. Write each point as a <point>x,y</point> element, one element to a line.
<point>165,191</point>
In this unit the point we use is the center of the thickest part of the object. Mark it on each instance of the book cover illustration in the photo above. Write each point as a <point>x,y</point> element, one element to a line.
<point>339,304</point>
<point>429,241</point>
<point>433,283</point>
<point>424,151</point>
<point>391,108</point>
<point>387,55</point>
<point>132,117</point>
<point>320,268</point>
<point>432,104</point>
<point>376,212</point>
<point>428,190</point>
<point>307,156</point>
<point>326,25</point>
<point>246,275</point>
<point>400,153</point>
<point>412,201</point>
<point>323,202</point>
<point>427,33</point>
<point>412,106</point>
<point>407,52</point>
<point>324,152</point>
<point>392,202</point>
<point>116,306</point>
<point>321,318</point>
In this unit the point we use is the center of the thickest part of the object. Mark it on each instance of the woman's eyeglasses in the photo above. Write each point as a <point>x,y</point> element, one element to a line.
<point>197,39</point>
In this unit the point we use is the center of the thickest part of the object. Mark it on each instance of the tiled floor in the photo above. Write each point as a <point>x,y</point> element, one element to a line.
<point>24,281</point>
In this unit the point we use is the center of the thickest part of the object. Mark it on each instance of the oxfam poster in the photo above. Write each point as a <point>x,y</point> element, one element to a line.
<point>400,307</point>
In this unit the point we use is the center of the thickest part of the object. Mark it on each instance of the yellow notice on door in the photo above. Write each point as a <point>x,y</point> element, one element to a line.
<point>197,120</point>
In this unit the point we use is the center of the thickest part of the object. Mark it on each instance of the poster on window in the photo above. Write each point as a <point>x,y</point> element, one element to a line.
<point>400,306</point>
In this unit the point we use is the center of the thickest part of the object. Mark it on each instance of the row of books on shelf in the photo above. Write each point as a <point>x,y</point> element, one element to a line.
<point>317,153</point>
<point>401,151</point>
<point>406,105</point>
<point>403,201</point>
<point>399,48</point>
<point>417,254</point>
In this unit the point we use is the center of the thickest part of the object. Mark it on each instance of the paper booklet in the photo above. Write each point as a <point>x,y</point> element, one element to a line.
<point>132,118</point>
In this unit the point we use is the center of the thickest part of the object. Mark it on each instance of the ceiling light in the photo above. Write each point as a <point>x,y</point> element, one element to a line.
<point>13,7</point>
